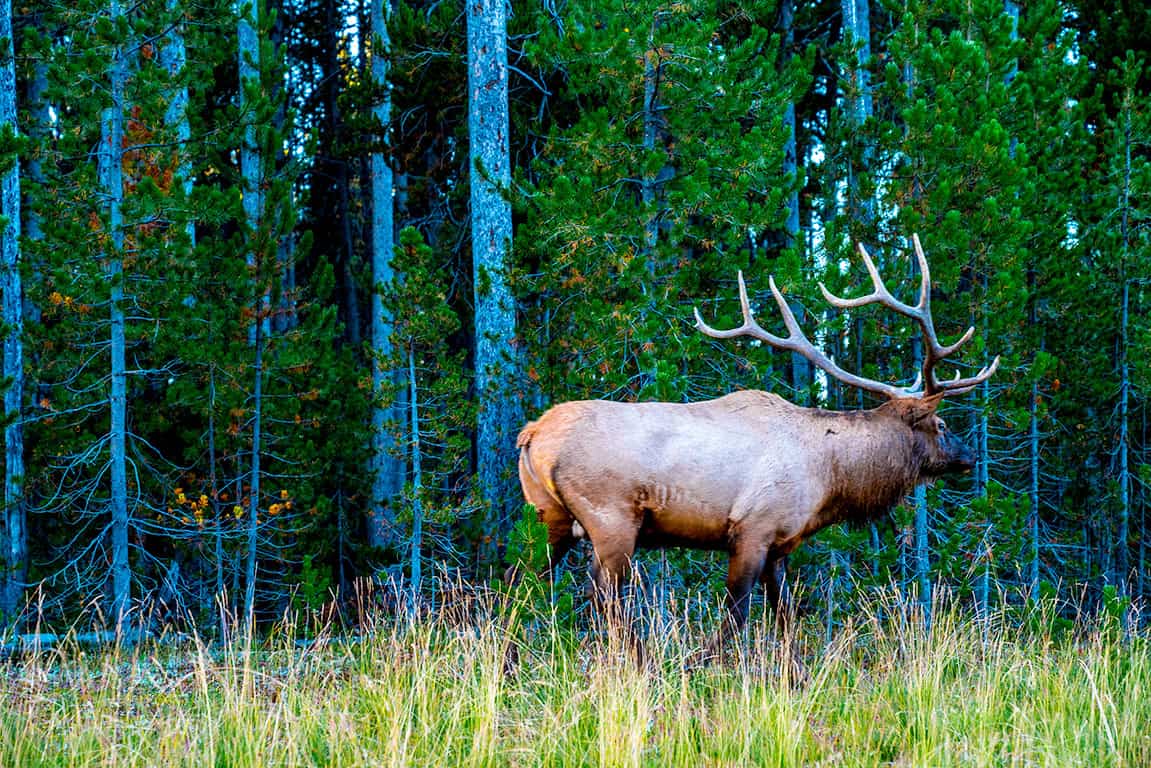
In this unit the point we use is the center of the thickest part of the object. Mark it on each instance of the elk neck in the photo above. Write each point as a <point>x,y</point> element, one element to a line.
<point>872,461</point>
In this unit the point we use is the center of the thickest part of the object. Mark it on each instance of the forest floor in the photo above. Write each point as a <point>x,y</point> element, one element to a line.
<point>518,690</point>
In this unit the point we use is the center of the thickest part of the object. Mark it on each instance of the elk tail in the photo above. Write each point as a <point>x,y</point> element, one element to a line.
<point>524,444</point>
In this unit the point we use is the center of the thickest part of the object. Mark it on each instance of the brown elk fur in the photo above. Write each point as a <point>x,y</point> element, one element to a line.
<point>749,473</point>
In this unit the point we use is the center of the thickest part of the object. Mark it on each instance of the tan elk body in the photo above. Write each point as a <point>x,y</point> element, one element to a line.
<point>748,473</point>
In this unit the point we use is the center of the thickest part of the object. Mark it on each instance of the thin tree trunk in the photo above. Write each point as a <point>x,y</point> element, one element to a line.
<point>922,513</point>
<point>1122,544</point>
<point>213,483</point>
<point>1141,570</point>
<point>495,363</point>
<point>111,161</point>
<point>790,149</point>
<point>387,469</point>
<point>417,540</point>
<point>15,537</point>
<point>254,482</point>
<point>857,32</point>
<point>248,54</point>
<point>651,126</point>
<point>801,367</point>
<point>250,162</point>
<point>1033,512</point>
<point>922,520</point>
<point>39,119</point>
<point>173,58</point>
<point>650,183</point>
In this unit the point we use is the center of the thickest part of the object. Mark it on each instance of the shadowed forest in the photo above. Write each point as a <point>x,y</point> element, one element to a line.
<point>282,281</point>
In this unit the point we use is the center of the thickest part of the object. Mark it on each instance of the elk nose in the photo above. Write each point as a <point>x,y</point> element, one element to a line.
<point>959,455</point>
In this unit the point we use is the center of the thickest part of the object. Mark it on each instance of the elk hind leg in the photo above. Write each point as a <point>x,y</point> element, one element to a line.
<point>553,514</point>
<point>611,572</point>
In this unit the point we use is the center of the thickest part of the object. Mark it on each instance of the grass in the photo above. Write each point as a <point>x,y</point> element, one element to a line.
<point>441,693</point>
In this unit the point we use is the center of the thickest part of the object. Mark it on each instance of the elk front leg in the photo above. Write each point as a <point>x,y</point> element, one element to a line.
<point>778,594</point>
<point>743,571</point>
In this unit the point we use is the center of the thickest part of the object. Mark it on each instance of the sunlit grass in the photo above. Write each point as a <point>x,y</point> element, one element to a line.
<point>525,693</point>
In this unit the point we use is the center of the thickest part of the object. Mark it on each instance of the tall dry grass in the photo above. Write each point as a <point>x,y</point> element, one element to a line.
<point>521,690</point>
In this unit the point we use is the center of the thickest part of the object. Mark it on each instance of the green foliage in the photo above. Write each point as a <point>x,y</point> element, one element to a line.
<point>648,142</point>
<point>314,589</point>
<point>527,550</point>
<point>1044,616</point>
<point>661,174</point>
<point>530,604</point>
<point>1114,615</point>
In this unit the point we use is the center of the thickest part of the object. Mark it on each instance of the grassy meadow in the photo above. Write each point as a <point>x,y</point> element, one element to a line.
<point>519,691</point>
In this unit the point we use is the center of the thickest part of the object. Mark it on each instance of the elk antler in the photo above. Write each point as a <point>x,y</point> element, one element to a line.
<point>926,384</point>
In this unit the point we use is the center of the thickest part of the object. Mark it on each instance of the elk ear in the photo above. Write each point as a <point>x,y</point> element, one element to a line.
<point>922,408</point>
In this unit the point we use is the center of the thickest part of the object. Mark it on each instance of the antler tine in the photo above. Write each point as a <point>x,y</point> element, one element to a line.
<point>879,295</point>
<point>958,386</point>
<point>796,341</point>
<point>749,328</point>
<point>935,352</point>
<point>926,383</point>
<point>924,275</point>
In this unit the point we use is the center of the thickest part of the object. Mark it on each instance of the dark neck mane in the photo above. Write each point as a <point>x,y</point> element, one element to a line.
<point>873,463</point>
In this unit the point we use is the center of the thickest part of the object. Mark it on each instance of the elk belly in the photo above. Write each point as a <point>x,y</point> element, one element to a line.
<point>673,517</point>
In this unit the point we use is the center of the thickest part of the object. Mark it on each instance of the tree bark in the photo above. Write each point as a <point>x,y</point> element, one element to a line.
<point>651,130</point>
<point>1122,544</point>
<point>15,539</point>
<point>111,174</point>
<point>495,361</point>
<point>173,58</point>
<point>790,149</point>
<point>417,538</point>
<point>250,162</point>
<point>857,32</point>
<point>387,470</point>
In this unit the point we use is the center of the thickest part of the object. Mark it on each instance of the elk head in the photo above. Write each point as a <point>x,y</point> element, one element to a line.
<point>937,449</point>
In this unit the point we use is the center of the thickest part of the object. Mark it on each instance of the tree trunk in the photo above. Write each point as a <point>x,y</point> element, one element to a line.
<point>1122,545</point>
<point>790,149</point>
<point>213,483</point>
<point>37,129</point>
<point>387,470</point>
<point>254,482</point>
<point>250,161</point>
<point>111,175</point>
<point>248,53</point>
<point>495,364</point>
<point>651,129</point>
<point>15,539</point>
<point>173,57</point>
<point>1033,511</point>
<point>417,540</point>
<point>857,32</point>
<point>1141,568</point>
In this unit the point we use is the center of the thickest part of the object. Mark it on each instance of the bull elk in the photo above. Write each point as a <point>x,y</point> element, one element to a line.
<point>748,473</point>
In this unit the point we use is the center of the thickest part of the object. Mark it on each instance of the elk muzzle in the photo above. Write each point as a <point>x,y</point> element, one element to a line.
<point>957,457</point>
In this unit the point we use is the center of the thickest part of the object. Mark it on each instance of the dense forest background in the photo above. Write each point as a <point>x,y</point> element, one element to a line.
<point>281,281</point>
